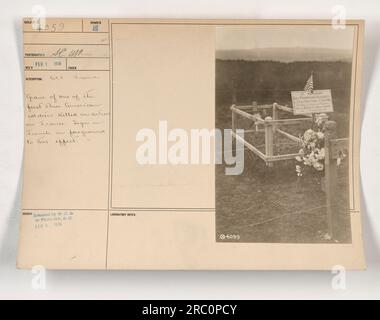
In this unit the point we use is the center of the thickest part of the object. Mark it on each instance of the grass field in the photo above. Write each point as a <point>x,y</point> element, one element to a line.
<point>266,204</point>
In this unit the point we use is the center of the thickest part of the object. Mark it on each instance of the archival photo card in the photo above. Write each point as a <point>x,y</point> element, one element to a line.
<point>286,94</point>
<point>155,144</point>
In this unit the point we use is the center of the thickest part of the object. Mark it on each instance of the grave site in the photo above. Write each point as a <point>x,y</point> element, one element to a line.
<point>295,184</point>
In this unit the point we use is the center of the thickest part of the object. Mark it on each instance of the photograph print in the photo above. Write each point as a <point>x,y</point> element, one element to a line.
<point>284,91</point>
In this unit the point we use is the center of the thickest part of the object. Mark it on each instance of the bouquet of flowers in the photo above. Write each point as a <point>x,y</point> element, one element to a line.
<point>310,162</point>
<point>311,158</point>
<point>312,154</point>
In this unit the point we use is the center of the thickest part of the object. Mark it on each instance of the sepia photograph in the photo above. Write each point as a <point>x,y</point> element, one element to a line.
<point>284,91</point>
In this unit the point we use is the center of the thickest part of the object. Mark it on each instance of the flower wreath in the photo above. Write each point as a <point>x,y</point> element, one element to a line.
<point>311,158</point>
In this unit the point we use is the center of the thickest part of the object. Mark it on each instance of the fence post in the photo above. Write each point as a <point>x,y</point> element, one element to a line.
<point>254,110</point>
<point>275,116</point>
<point>268,139</point>
<point>233,127</point>
<point>330,177</point>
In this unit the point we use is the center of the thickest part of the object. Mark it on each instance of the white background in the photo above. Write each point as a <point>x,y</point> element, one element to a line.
<point>182,285</point>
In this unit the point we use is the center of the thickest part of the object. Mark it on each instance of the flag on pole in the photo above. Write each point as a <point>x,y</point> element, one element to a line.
<point>309,87</point>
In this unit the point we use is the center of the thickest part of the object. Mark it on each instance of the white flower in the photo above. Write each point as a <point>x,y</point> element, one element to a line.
<point>342,155</point>
<point>308,135</point>
<point>318,166</point>
<point>299,171</point>
<point>320,119</point>
<point>319,153</point>
<point>322,153</point>
<point>320,135</point>
<point>313,160</point>
<point>299,159</point>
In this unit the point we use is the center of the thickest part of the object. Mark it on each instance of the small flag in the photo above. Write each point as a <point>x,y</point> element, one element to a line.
<point>309,86</point>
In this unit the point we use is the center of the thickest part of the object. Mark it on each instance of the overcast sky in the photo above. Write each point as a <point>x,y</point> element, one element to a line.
<point>251,37</point>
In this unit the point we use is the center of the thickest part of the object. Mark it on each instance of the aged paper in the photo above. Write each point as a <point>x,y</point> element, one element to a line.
<point>127,128</point>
